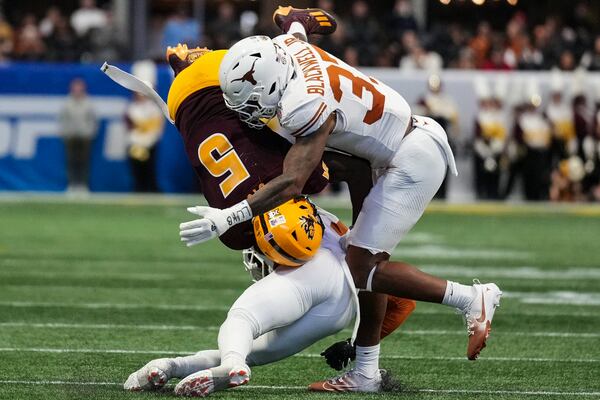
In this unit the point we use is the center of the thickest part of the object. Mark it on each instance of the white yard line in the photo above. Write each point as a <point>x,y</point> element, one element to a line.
<point>44,383</point>
<point>294,388</point>
<point>557,297</point>
<point>489,272</point>
<point>436,251</point>
<point>59,325</point>
<point>541,298</point>
<point>301,355</point>
<point>118,306</point>
<point>520,272</point>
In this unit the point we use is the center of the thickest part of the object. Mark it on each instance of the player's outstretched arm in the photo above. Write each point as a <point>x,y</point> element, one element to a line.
<point>300,161</point>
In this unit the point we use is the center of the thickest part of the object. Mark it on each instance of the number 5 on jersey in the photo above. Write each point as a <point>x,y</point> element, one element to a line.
<point>217,155</point>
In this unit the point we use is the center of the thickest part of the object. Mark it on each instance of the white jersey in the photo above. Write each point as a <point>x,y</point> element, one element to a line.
<point>372,118</point>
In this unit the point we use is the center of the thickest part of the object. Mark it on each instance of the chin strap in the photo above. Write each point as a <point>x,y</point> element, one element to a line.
<point>133,83</point>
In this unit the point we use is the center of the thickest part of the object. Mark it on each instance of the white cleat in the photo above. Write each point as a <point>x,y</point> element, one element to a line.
<point>350,381</point>
<point>152,376</point>
<point>203,383</point>
<point>479,316</point>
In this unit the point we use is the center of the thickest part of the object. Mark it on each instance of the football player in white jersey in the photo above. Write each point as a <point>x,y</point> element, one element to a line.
<point>321,101</point>
<point>279,315</point>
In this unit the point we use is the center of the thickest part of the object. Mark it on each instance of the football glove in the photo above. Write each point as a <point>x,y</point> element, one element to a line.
<point>339,355</point>
<point>214,222</point>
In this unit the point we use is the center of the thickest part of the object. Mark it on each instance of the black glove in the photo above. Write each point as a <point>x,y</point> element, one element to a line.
<point>339,354</point>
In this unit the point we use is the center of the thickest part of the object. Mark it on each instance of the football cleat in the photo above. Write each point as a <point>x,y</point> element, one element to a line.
<point>479,316</point>
<point>152,376</point>
<point>350,381</point>
<point>181,57</point>
<point>203,383</point>
<point>314,20</point>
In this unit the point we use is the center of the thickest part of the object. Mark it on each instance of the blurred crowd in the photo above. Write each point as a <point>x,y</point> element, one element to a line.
<point>544,150</point>
<point>394,39</point>
<point>550,146</point>
<point>89,33</point>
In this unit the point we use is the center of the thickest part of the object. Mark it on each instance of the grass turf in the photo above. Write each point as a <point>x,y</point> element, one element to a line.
<point>110,286</point>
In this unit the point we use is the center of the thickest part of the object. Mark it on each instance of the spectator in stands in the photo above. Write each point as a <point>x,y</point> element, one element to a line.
<point>591,59</point>
<point>530,58</point>
<point>418,57</point>
<point>541,41</point>
<point>29,44</point>
<point>87,17</point>
<point>441,107</point>
<point>567,60</point>
<point>401,19</point>
<point>466,60</point>
<point>533,134</point>
<point>560,114</point>
<point>566,180</point>
<point>63,44</point>
<point>181,28</point>
<point>7,36</point>
<point>489,146</point>
<point>52,18</point>
<point>334,43</point>
<point>351,56</point>
<point>481,44</point>
<point>327,5</point>
<point>363,33</point>
<point>515,33</point>
<point>106,42</point>
<point>495,60</point>
<point>225,29</point>
<point>145,125</point>
<point>78,127</point>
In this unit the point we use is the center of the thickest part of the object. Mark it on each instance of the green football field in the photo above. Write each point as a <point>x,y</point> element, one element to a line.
<point>92,290</point>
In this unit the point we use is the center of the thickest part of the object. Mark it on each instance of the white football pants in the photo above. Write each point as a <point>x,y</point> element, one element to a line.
<point>403,190</point>
<point>285,312</point>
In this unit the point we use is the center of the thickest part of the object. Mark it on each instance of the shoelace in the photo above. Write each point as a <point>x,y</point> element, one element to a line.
<point>340,378</point>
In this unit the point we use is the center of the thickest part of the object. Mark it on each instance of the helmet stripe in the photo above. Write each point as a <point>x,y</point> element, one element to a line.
<point>284,253</point>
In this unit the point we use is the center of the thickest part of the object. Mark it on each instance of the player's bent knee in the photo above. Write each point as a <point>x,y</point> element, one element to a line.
<point>361,263</point>
<point>237,315</point>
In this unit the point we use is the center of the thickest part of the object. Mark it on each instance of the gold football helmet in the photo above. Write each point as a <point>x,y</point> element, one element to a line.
<point>291,233</point>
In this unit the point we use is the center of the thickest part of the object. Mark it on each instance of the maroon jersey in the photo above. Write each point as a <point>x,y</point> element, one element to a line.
<point>231,159</point>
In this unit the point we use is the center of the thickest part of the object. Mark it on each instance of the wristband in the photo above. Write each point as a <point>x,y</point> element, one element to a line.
<point>238,213</point>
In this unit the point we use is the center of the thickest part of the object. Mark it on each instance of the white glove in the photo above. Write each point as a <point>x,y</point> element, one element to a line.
<point>214,223</point>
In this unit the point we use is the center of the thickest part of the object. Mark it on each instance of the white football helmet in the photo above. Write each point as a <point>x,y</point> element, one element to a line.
<point>253,75</point>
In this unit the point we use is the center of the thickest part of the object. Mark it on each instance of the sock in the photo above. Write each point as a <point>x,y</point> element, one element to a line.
<point>367,360</point>
<point>188,365</point>
<point>296,27</point>
<point>457,295</point>
<point>236,336</point>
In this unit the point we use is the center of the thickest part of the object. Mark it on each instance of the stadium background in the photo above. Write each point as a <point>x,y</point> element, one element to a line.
<point>94,284</point>
<point>518,52</point>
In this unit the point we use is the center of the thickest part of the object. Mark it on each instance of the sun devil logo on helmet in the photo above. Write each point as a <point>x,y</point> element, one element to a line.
<point>308,224</point>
